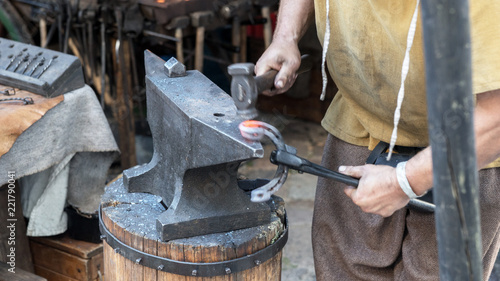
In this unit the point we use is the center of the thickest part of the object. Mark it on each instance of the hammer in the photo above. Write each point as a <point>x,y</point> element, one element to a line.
<point>234,10</point>
<point>178,24</point>
<point>245,87</point>
<point>200,20</point>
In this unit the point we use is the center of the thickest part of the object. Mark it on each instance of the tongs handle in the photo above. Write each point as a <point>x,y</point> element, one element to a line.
<point>302,165</point>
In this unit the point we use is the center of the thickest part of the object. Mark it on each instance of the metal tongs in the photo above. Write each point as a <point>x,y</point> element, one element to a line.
<point>285,158</point>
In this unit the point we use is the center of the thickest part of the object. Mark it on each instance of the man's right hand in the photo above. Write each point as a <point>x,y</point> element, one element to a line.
<point>283,56</point>
<point>294,16</point>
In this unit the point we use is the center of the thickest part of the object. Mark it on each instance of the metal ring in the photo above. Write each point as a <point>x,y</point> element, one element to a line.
<point>191,268</point>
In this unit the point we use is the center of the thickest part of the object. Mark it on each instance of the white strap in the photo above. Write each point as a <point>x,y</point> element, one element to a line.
<point>403,180</point>
<point>326,42</point>
<point>404,73</point>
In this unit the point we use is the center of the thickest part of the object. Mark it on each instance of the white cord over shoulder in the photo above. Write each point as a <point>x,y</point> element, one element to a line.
<point>326,42</point>
<point>404,73</point>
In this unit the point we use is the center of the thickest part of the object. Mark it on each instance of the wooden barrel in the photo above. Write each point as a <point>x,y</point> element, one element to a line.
<point>133,250</point>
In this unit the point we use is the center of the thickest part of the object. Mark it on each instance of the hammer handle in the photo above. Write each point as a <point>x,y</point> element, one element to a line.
<point>266,80</point>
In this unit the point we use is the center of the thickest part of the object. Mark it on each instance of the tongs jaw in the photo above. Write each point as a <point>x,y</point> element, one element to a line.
<point>255,131</point>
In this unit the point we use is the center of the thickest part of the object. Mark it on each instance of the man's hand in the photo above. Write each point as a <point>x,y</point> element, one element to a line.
<point>378,191</point>
<point>294,17</point>
<point>283,56</point>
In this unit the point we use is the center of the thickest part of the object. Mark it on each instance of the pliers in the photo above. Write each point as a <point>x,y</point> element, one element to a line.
<point>285,158</point>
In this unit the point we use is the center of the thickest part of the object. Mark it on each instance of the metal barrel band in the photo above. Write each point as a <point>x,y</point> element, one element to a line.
<point>191,268</point>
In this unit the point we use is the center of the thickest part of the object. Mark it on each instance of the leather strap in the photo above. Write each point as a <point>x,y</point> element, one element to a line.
<point>379,149</point>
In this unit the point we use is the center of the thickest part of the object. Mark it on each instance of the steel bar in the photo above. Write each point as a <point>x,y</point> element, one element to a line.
<point>450,113</point>
<point>103,59</point>
<point>52,30</point>
<point>160,35</point>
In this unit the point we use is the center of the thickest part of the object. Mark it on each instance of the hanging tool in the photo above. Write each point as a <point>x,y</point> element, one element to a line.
<point>200,20</point>
<point>103,20</point>
<point>178,23</point>
<point>245,87</point>
<point>67,28</point>
<point>285,157</point>
<point>266,15</point>
<point>235,11</point>
<point>92,59</point>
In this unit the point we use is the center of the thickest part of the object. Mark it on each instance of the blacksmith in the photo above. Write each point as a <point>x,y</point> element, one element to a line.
<point>368,234</point>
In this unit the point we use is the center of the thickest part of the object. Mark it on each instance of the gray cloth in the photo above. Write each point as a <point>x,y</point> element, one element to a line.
<point>43,196</point>
<point>64,158</point>
<point>349,244</point>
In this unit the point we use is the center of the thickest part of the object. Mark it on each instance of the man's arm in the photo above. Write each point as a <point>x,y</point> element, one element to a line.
<point>487,134</point>
<point>294,17</point>
<point>379,192</point>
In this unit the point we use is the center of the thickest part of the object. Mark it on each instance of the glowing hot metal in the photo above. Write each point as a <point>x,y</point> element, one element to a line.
<point>255,131</point>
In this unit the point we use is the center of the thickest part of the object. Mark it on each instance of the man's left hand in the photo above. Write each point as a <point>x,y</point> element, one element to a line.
<point>378,191</point>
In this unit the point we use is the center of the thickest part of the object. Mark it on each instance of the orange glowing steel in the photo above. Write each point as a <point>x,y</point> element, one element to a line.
<point>250,124</point>
<point>252,130</point>
<point>160,1</point>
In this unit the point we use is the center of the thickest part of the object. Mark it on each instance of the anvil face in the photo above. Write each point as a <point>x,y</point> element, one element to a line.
<point>197,152</point>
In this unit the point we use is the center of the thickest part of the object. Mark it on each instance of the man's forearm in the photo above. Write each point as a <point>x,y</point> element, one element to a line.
<point>419,171</point>
<point>487,127</point>
<point>294,17</point>
<point>487,134</point>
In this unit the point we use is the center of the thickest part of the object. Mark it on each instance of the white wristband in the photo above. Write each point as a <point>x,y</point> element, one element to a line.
<point>403,181</point>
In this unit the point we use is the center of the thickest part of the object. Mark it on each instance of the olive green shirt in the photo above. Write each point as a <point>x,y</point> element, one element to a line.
<point>365,55</point>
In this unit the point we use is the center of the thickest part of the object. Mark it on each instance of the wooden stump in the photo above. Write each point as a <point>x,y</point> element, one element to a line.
<point>131,218</point>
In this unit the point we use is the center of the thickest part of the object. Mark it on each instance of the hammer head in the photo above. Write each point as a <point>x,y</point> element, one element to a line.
<point>202,18</point>
<point>244,89</point>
